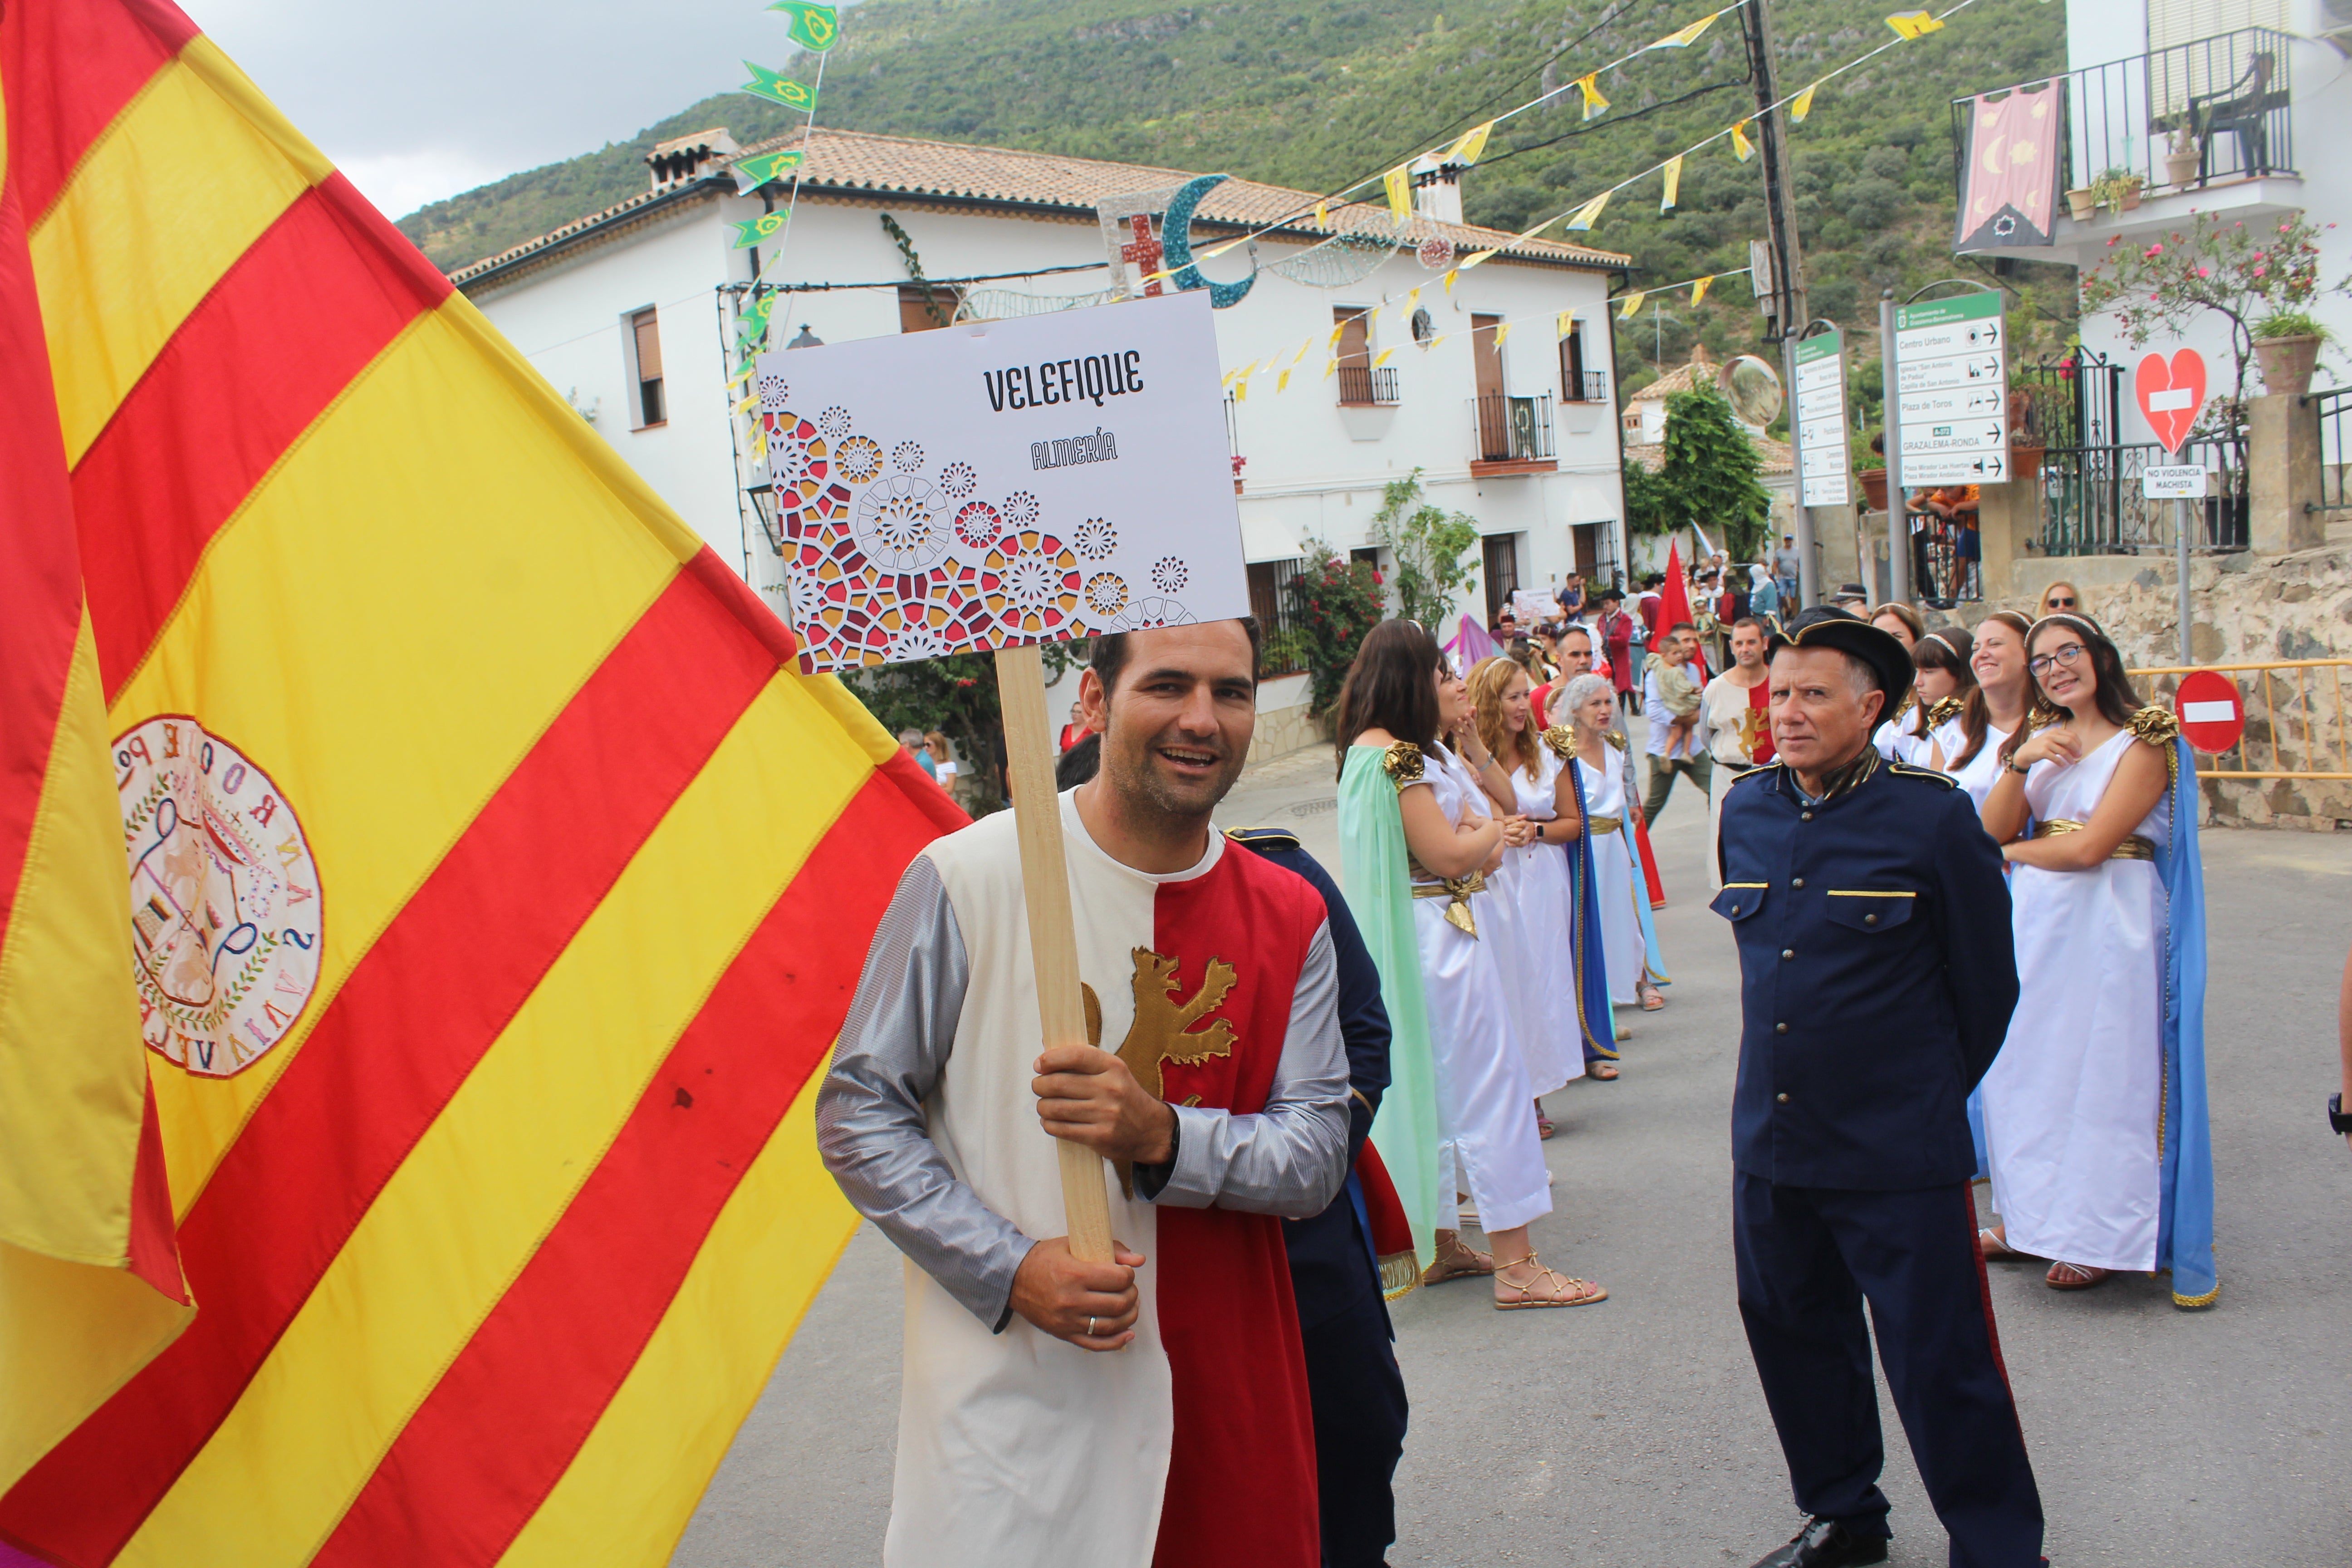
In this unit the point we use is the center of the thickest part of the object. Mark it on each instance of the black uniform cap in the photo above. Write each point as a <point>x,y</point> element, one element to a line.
<point>1825,625</point>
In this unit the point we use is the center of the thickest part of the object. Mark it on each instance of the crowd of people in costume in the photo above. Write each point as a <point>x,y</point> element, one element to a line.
<point>1490,924</point>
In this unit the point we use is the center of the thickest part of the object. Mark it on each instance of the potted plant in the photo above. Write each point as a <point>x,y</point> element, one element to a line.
<point>2286,346</point>
<point>2081,204</point>
<point>2181,156</point>
<point>2117,189</point>
<point>1870,463</point>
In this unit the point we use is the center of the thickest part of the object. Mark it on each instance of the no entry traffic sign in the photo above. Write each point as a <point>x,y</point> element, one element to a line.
<point>2211,715</point>
<point>2170,395</point>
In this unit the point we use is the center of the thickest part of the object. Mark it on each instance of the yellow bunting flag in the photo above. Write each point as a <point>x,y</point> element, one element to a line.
<point>1323,217</point>
<point>1466,151</point>
<point>1632,303</point>
<point>1437,340</point>
<point>1699,289</point>
<point>1335,336</point>
<point>1803,104</point>
<point>1382,357</point>
<point>1412,299</point>
<point>1593,103</point>
<point>1682,38</point>
<point>1567,322</point>
<point>1502,331</point>
<point>1282,382</point>
<point>1329,365</point>
<point>1590,213</point>
<point>1674,181</point>
<point>1241,392</point>
<point>1399,181</point>
<point>1909,24</point>
<point>1474,259</point>
<point>1741,148</point>
<point>1451,274</point>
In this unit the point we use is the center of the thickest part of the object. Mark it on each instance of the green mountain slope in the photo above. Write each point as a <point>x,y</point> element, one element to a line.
<point>1320,96</point>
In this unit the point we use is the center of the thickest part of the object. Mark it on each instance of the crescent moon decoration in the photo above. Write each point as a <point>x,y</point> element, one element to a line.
<point>1176,239</point>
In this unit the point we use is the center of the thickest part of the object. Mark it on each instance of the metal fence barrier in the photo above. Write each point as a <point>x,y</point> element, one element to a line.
<point>2295,717</point>
<point>2335,407</point>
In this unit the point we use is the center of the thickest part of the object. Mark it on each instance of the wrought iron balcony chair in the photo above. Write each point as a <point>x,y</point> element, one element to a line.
<point>2241,108</point>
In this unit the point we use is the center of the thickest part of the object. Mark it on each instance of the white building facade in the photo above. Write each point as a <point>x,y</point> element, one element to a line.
<point>631,312</point>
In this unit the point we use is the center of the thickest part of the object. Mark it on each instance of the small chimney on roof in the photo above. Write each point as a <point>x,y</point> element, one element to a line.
<point>682,158</point>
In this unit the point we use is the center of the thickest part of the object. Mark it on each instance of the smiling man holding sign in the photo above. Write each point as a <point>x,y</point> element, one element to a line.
<point>1186,994</point>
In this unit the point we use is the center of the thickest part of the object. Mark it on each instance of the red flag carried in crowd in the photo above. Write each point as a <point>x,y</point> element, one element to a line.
<point>495,885</point>
<point>1675,607</point>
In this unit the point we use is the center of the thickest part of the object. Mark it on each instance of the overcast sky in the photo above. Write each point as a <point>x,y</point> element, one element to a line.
<point>420,100</point>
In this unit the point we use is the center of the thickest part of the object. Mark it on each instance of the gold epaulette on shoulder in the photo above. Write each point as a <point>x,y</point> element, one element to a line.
<point>1264,837</point>
<point>1562,740</point>
<point>2158,726</point>
<point>1945,709</point>
<point>1909,772</point>
<point>1759,771</point>
<point>1403,762</point>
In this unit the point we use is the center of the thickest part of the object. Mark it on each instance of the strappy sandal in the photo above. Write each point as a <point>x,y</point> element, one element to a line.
<point>1995,1247</point>
<point>2074,1276</point>
<point>1544,1128</point>
<point>1652,998</point>
<point>1557,1289</point>
<point>1605,1071</point>
<point>1456,1261</point>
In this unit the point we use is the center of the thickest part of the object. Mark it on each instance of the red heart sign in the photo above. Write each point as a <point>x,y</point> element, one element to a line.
<point>2170,395</point>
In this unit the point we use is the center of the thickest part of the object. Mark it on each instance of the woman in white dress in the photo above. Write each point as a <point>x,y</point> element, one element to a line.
<point>1940,682</point>
<point>1616,872</point>
<point>2081,808</point>
<point>1969,747</point>
<point>1486,1105</point>
<point>1902,623</point>
<point>1539,816</point>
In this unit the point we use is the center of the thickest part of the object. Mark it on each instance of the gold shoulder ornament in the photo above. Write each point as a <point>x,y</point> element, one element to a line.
<point>1907,771</point>
<point>1562,740</point>
<point>1945,709</point>
<point>2159,727</point>
<point>1403,762</point>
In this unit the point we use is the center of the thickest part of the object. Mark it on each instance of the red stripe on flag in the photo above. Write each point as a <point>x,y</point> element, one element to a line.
<point>154,1250</point>
<point>415,1017</point>
<point>240,381</point>
<point>479,1458</point>
<point>70,67</point>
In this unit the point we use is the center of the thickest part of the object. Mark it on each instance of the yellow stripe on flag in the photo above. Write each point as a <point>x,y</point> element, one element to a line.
<point>1909,24</point>
<point>129,248</point>
<point>412,653</point>
<point>1674,181</point>
<point>704,1367</point>
<point>68,1016</point>
<point>400,1300</point>
<point>1399,181</point>
<point>74,1334</point>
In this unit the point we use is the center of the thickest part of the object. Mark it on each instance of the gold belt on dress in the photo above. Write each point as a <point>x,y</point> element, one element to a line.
<point>1459,889</point>
<point>1602,824</point>
<point>2132,847</point>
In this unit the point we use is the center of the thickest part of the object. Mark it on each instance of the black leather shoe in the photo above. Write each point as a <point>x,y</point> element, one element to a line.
<point>1826,1543</point>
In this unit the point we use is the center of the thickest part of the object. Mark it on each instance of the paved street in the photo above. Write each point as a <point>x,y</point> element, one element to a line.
<point>1632,1432</point>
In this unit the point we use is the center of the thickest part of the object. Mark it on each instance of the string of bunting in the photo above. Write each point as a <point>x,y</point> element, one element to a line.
<point>815,28</point>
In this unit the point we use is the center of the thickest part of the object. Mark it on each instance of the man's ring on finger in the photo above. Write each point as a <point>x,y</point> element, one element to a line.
<point>1090,1328</point>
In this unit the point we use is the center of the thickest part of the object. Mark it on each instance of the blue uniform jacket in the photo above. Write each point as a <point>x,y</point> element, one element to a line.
<point>1877,975</point>
<point>1331,1262</point>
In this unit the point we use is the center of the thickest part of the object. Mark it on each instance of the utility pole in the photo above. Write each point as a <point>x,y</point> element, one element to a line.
<point>1786,304</point>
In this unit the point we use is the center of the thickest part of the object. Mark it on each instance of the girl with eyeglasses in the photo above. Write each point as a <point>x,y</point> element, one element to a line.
<point>2094,1111</point>
<point>1416,845</point>
<point>1993,709</point>
<point>1531,885</point>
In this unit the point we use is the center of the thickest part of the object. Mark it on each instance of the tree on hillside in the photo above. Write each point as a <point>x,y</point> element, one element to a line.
<point>1430,544</point>
<point>1708,477</point>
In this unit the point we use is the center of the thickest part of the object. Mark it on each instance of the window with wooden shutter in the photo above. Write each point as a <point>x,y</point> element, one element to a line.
<point>644,332</point>
<point>924,311</point>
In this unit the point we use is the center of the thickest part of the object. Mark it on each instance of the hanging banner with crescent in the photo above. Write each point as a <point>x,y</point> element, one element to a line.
<point>2011,195</point>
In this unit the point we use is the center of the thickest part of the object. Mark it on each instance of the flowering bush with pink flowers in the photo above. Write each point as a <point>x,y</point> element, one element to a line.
<point>2244,273</point>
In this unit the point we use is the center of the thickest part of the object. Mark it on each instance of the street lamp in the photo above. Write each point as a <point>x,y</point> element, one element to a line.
<point>764,502</point>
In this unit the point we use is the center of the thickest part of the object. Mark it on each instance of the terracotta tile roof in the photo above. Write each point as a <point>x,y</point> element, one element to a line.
<point>1771,456</point>
<point>1682,378</point>
<point>845,162</point>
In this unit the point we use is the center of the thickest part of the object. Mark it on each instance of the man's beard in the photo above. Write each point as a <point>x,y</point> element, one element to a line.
<point>1137,780</point>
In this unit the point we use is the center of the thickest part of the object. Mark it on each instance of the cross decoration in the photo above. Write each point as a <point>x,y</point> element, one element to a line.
<point>1144,251</point>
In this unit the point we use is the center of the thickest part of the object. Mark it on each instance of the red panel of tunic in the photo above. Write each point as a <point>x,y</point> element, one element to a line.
<point>1242,1469</point>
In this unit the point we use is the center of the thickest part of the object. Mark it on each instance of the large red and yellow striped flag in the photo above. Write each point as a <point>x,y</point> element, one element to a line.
<point>495,889</point>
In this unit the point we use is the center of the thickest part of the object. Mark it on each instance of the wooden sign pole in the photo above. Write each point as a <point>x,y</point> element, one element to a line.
<point>1052,932</point>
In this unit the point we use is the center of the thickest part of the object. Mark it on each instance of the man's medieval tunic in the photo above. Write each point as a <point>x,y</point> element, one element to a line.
<point>1015,1448</point>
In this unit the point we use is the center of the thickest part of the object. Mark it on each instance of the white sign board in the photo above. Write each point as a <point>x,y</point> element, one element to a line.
<point>2184,481</point>
<point>1820,418</point>
<point>988,485</point>
<point>1952,391</point>
<point>1532,607</point>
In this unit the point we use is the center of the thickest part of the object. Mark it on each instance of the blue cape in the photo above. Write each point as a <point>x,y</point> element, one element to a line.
<point>2184,1238</point>
<point>1595,1021</point>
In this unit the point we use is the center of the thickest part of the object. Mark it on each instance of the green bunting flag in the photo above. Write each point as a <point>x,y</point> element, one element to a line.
<point>751,173</point>
<point>780,89</point>
<point>812,26</point>
<point>752,326</point>
<point>752,231</point>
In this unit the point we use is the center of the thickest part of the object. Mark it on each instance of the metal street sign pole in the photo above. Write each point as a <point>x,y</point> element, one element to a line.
<point>1898,532</point>
<point>1809,587</point>
<point>2180,558</point>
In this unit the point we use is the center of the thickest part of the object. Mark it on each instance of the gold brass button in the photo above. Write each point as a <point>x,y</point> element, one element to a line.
<point>1869,920</point>
<point>1782,1098</point>
<point>1734,909</point>
<point>1796,881</point>
<point>1804,817</point>
<point>1786,953</point>
<point>1780,1029</point>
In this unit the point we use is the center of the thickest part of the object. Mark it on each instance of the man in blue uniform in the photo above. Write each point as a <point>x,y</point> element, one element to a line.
<point>1877,978</point>
<point>1353,1383</point>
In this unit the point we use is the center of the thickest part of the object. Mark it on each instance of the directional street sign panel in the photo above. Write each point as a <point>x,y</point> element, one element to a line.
<point>1952,373</point>
<point>1819,420</point>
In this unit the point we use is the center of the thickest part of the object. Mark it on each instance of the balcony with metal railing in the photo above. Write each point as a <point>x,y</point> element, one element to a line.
<point>1511,435</point>
<point>2206,125</point>
<point>1591,387</point>
<point>1368,387</point>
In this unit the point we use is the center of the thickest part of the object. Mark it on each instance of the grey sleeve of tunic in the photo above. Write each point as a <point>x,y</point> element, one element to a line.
<point>1291,1158</point>
<point>870,1124</point>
